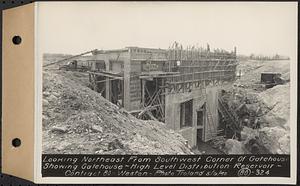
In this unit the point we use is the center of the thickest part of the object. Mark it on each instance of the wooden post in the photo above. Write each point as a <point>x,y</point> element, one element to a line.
<point>107,83</point>
<point>122,90</point>
<point>143,92</point>
<point>163,98</point>
<point>95,83</point>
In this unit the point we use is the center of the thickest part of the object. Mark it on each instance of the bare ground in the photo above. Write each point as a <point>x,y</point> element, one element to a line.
<point>274,104</point>
<point>77,120</point>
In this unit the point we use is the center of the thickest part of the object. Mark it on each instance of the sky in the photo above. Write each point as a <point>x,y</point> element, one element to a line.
<point>76,27</point>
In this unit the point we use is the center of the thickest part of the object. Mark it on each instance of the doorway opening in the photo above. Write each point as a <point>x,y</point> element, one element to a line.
<point>200,136</point>
<point>116,92</point>
<point>152,98</point>
<point>186,114</point>
<point>200,116</point>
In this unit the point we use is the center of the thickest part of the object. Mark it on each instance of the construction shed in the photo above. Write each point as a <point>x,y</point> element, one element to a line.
<point>177,86</point>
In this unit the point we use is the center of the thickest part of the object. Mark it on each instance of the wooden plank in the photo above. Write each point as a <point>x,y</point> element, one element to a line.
<point>107,75</point>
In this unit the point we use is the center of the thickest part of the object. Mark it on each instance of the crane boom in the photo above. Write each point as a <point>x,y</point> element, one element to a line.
<point>62,60</point>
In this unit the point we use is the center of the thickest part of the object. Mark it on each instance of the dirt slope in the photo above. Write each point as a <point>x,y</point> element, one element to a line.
<point>276,136</point>
<point>77,120</point>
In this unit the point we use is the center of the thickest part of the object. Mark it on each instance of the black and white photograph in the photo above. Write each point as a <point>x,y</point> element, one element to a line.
<point>166,78</point>
<point>150,92</point>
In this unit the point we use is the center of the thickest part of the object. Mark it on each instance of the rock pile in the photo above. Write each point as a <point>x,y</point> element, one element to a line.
<point>270,106</point>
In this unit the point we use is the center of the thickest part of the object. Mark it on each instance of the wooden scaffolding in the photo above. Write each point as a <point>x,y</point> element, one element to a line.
<point>184,69</point>
<point>188,69</point>
<point>109,84</point>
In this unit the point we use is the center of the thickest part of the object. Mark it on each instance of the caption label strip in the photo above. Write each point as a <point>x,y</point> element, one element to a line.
<point>63,165</point>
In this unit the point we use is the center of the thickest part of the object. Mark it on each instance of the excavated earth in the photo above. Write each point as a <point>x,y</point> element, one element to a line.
<point>273,135</point>
<point>78,120</point>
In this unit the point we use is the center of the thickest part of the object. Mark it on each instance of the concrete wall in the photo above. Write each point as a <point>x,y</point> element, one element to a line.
<point>116,66</point>
<point>172,113</point>
<point>212,119</point>
<point>153,66</point>
<point>136,66</point>
<point>135,91</point>
<point>124,57</point>
<point>147,53</point>
<point>135,85</point>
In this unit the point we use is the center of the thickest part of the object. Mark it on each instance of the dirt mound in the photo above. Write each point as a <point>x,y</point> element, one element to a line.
<point>77,120</point>
<point>275,139</point>
<point>276,136</point>
<point>251,71</point>
<point>233,146</point>
<point>278,100</point>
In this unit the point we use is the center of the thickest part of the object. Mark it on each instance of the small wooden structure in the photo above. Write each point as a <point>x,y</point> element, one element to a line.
<point>271,79</point>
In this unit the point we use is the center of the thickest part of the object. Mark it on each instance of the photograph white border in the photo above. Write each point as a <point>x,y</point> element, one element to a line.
<point>161,180</point>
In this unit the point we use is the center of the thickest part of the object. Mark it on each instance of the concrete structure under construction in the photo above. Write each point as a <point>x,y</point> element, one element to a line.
<point>177,86</point>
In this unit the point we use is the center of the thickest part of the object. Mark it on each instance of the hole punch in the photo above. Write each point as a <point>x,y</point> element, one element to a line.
<point>17,40</point>
<point>16,142</point>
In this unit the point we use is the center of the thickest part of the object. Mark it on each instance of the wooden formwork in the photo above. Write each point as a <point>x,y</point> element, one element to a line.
<point>104,83</point>
<point>180,70</point>
<point>185,70</point>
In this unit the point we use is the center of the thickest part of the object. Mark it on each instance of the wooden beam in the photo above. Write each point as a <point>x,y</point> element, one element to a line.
<point>107,80</point>
<point>107,74</point>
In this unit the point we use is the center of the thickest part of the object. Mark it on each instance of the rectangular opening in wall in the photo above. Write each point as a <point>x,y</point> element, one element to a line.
<point>116,91</point>
<point>99,65</point>
<point>152,97</point>
<point>200,136</point>
<point>116,66</point>
<point>200,116</point>
<point>100,85</point>
<point>186,114</point>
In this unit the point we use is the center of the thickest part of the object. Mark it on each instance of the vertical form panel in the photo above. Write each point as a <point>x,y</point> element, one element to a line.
<point>127,71</point>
